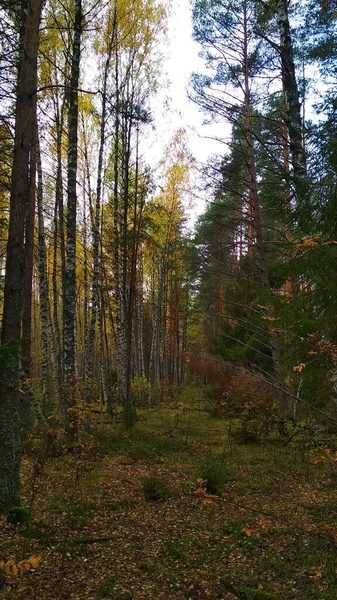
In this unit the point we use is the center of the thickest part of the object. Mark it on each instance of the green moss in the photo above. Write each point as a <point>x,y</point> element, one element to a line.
<point>18,515</point>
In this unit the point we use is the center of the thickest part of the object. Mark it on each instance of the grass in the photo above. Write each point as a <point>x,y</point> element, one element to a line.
<point>263,535</point>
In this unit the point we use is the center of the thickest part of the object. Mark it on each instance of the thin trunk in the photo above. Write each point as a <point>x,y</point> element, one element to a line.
<point>58,234</point>
<point>96,222</point>
<point>285,152</point>
<point>69,291</point>
<point>47,334</point>
<point>27,289</point>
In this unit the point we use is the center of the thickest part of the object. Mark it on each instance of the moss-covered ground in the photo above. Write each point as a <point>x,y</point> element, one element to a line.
<point>267,530</point>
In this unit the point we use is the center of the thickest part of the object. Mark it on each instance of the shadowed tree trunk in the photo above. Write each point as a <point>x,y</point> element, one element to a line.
<point>10,408</point>
<point>69,291</point>
<point>292,103</point>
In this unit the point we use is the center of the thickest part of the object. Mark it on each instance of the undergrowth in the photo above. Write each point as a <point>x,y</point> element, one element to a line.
<point>262,513</point>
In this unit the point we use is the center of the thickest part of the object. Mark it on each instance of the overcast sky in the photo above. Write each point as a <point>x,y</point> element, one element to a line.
<point>171,107</point>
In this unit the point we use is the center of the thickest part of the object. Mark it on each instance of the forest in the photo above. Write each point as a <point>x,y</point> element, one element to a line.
<point>168,385</point>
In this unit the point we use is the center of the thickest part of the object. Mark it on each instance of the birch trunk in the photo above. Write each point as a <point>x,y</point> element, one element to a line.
<point>69,291</point>
<point>58,234</point>
<point>154,365</point>
<point>47,334</point>
<point>96,222</point>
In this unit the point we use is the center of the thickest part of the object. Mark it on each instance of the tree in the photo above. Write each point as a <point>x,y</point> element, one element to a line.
<point>69,291</point>
<point>10,402</point>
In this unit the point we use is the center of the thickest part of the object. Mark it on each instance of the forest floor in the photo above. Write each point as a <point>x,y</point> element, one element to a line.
<point>270,534</point>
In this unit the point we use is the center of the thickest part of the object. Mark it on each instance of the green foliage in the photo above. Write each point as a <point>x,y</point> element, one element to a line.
<point>34,531</point>
<point>18,515</point>
<point>214,473</point>
<point>155,488</point>
<point>248,432</point>
<point>140,390</point>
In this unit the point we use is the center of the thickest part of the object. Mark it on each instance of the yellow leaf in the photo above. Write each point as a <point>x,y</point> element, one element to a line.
<point>299,368</point>
<point>270,318</point>
<point>250,532</point>
<point>317,575</point>
<point>34,561</point>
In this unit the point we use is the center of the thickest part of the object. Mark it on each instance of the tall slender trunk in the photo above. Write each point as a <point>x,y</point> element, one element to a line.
<point>27,286</point>
<point>140,318</point>
<point>96,222</point>
<point>58,234</point>
<point>69,291</point>
<point>47,334</point>
<point>253,194</point>
<point>293,107</point>
<point>10,409</point>
<point>287,210</point>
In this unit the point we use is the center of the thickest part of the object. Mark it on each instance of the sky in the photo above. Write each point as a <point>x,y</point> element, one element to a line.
<point>171,107</point>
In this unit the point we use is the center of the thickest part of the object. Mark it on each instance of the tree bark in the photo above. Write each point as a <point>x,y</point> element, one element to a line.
<point>10,409</point>
<point>69,291</point>
<point>47,334</point>
<point>292,103</point>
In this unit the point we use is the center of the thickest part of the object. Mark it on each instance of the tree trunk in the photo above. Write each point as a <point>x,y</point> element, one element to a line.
<point>10,409</point>
<point>96,223</point>
<point>253,195</point>
<point>47,334</point>
<point>69,291</point>
<point>293,108</point>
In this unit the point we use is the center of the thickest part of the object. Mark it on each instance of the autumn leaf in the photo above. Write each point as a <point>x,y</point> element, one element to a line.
<point>299,368</point>
<point>12,568</point>
<point>250,532</point>
<point>270,318</point>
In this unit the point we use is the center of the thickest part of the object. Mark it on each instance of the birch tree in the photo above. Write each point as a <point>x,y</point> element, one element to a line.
<point>69,291</point>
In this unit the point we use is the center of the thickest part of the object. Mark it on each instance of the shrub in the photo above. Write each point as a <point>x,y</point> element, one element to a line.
<point>214,473</point>
<point>140,391</point>
<point>155,488</point>
<point>18,515</point>
<point>249,432</point>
